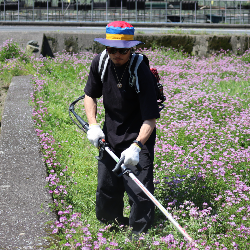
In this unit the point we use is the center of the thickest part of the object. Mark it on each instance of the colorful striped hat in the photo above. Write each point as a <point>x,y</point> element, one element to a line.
<point>119,34</point>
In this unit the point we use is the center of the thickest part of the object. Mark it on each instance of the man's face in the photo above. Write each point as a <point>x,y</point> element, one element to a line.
<point>119,56</point>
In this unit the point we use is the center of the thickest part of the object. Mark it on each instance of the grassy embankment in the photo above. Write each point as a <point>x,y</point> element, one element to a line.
<point>201,154</point>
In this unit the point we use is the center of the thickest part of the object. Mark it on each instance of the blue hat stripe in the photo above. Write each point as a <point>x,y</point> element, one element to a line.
<point>118,30</point>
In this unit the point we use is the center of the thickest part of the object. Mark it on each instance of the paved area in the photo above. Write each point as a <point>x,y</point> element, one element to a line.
<point>24,210</point>
<point>35,30</point>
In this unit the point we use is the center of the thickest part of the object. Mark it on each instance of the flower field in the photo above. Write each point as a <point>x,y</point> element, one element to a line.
<point>202,151</point>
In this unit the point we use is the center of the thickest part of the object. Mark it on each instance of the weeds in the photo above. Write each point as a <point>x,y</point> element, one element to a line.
<point>201,155</point>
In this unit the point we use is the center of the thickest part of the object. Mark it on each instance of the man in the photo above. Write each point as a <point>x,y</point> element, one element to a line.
<point>129,128</point>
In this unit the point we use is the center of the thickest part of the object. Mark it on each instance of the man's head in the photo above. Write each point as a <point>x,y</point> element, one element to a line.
<point>119,35</point>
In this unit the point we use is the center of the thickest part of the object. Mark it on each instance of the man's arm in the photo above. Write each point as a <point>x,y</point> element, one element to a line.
<point>131,154</point>
<point>94,133</point>
<point>146,130</point>
<point>90,105</point>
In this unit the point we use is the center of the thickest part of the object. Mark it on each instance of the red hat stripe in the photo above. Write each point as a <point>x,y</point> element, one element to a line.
<point>121,24</point>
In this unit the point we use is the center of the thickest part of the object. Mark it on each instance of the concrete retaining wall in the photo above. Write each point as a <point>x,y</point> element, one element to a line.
<point>199,45</point>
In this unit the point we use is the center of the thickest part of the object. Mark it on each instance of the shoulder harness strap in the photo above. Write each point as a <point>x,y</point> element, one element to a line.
<point>103,62</point>
<point>135,61</point>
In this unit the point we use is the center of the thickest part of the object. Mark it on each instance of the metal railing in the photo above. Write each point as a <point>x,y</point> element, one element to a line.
<point>217,11</point>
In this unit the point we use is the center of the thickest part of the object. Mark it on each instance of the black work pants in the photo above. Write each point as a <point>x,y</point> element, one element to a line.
<point>110,192</point>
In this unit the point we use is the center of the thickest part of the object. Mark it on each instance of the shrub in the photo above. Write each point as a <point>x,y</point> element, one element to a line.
<point>9,50</point>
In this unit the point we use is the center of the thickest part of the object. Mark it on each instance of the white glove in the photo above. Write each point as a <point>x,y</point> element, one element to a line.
<point>94,134</point>
<point>131,155</point>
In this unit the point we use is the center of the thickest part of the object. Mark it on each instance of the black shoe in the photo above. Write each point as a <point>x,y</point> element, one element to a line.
<point>118,221</point>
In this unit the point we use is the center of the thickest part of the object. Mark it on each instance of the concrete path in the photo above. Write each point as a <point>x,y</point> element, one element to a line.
<point>24,200</point>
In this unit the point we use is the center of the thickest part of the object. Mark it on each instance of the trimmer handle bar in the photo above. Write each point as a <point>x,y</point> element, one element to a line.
<point>124,169</point>
<point>102,144</point>
<point>85,125</point>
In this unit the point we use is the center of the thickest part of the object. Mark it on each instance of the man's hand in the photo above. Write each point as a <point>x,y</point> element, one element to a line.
<point>94,134</point>
<point>131,155</point>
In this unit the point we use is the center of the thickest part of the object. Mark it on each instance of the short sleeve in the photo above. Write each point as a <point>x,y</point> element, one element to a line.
<point>93,86</point>
<point>147,96</point>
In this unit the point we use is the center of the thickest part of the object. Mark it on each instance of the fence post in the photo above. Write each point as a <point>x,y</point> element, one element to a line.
<point>18,10</point>
<point>106,10</point>
<point>47,10</point>
<point>151,11</point>
<point>4,10</point>
<point>240,12</point>
<point>33,10</point>
<point>210,12</point>
<point>92,6</point>
<point>180,10</point>
<point>77,10</point>
<point>166,11</point>
<point>121,10</point>
<point>195,11</point>
<point>62,10</point>
<point>225,12</point>
<point>136,9</point>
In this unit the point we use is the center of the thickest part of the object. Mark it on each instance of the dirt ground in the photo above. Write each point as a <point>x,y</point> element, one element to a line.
<point>3,93</point>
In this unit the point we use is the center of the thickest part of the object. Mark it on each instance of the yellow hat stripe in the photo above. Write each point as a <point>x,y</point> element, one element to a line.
<point>119,37</point>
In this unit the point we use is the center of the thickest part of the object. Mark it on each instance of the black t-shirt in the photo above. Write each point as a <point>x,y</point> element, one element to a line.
<point>125,110</point>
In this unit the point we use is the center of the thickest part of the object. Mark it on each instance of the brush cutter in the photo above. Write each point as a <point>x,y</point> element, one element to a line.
<point>120,169</point>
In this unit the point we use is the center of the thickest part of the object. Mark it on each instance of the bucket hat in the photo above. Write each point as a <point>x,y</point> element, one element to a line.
<point>119,34</point>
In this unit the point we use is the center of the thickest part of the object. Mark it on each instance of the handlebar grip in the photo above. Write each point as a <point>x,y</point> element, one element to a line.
<point>82,122</point>
<point>118,165</point>
<point>139,168</point>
